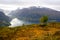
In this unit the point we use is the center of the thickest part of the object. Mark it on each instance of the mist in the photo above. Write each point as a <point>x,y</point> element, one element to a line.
<point>18,10</point>
<point>32,15</point>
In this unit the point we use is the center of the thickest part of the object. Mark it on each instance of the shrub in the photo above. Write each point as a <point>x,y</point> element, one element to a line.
<point>43,20</point>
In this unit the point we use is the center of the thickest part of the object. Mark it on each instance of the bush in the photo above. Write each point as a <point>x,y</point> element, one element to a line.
<point>43,20</point>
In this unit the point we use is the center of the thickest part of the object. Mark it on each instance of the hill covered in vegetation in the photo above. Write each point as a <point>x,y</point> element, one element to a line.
<point>31,32</point>
<point>33,14</point>
<point>4,20</point>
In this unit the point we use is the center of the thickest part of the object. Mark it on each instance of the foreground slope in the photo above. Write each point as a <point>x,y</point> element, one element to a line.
<point>31,32</point>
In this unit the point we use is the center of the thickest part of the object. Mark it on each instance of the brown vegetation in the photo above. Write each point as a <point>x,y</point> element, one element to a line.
<point>31,32</point>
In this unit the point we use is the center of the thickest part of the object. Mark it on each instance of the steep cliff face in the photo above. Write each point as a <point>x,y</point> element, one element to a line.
<point>4,20</point>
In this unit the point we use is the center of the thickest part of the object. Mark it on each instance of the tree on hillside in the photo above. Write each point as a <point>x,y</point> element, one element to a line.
<point>43,20</point>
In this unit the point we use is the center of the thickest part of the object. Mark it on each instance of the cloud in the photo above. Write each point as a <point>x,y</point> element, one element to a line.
<point>16,22</point>
<point>21,3</point>
<point>53,2</point>
<point>8,7</point>
<point>30,2</point>
<point>33,14</point>
<point>17,2</point>
<point>8,1</point>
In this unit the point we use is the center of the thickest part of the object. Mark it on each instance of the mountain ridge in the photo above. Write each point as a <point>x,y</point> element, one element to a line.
<point>32,14</point>
<point>4,20</point>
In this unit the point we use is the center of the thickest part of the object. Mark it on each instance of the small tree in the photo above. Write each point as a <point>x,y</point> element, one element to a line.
<point>43,20</point>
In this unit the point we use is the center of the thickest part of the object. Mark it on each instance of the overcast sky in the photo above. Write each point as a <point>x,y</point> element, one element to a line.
<point>14,4</point>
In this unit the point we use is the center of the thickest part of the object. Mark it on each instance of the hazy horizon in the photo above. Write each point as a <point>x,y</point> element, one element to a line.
<point>14,4</point>
<point>10,5</point>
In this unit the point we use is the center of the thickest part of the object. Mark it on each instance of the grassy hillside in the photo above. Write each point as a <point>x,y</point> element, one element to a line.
<point>31,32</point>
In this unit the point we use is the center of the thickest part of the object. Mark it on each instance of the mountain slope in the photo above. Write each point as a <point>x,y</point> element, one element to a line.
<point>33,14</point>
<point>4,20</point>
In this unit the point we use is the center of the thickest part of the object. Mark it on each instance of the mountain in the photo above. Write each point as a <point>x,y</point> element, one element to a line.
<point>33,14</point>
<point>4,20</point>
